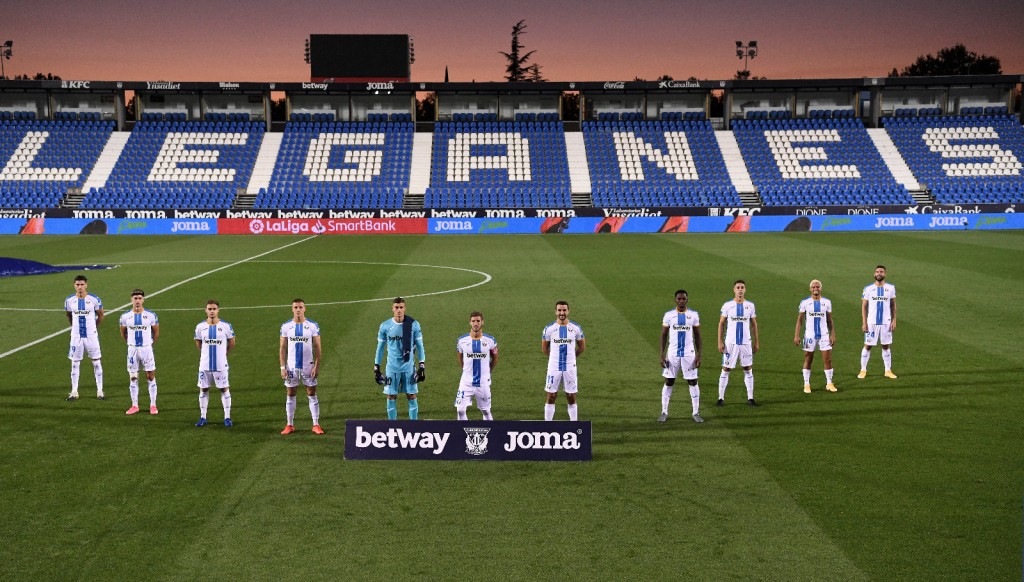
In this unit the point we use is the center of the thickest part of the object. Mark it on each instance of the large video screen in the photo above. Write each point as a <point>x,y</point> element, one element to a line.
<point>359,57</point>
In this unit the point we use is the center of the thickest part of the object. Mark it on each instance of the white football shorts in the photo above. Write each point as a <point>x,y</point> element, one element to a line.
<point>565,378</point>
<point>141,357</point>
<point>304,376</point>
<point>676,365</point>
<point>734,353</point>
<point>82,345</point>
<point>878,334</point>
<point>464,397</point>
<point>218,379</point>
<point>821,343</point>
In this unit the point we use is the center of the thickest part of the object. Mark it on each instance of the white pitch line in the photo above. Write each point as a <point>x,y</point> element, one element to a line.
<point>487,279</point>
<point>178,284</point>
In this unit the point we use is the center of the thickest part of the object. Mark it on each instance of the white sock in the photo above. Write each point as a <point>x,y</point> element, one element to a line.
<point>97,370</point>
<point>462,413</point>
<point>807,376</point>
<point>549,411</point>
<point>723,381</point>
<point>225,401</point>
<point>314,409</point>
<point>204,402</point>
<point>151,384</point>
<point>666,395</point>
<point>865,355</point>
<point>887,360</point>
<point>133,391</point>
<point>695,398</point>
<point>572,412</point>
<point>487,413</point>
<point>828,376</point>
<point>748,381</point>
<point>75,368</point>
<point>289,408</point>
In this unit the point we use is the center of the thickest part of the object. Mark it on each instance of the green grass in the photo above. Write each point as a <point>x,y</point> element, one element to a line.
<point>915,478</point>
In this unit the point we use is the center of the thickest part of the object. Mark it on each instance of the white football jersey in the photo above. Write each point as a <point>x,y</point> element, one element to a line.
<point>879,307</point>
<point>680,336</point>
<point>140,327</point>
<point>476,359</point>
<point>738,316</point>
<point>300,342</point>
<point>83,315</point>
<point>815,318</point>
<point>563,340</point>
<point>214,353</point>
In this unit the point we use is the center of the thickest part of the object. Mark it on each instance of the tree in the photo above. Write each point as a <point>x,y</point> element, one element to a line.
<point>519,67</point>
<point>426,108</point>
<point>746,76</point>
<point>954,60</point>
<point>37,77</point>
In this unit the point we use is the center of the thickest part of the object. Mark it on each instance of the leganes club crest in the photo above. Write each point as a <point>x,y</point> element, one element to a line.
<point>476,440</point>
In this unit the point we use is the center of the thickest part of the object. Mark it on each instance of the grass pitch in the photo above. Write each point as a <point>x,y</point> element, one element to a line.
<point>915,478</point>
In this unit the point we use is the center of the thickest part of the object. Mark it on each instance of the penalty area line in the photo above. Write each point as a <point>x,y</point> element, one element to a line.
<point>165,289</point>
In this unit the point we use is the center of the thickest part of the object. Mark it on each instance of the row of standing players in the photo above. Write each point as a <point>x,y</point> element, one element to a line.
<point>402,338</point>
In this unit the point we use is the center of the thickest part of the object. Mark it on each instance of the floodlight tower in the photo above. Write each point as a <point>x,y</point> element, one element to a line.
<point>5,54</point>
<point>746,52</point>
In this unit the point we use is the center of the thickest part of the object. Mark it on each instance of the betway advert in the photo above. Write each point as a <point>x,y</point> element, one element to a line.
<point>322,226</point>
<point>452,440</point>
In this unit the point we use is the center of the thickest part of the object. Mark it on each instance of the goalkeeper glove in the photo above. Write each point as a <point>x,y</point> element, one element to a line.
<point>377,376</point>
<point>421,372</point>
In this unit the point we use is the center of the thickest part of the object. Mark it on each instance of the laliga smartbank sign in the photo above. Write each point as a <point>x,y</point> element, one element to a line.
<point>262,226</point>
<point>451,440</point>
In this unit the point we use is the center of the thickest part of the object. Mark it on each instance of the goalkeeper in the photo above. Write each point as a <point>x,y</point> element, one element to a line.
<point>400,334</point>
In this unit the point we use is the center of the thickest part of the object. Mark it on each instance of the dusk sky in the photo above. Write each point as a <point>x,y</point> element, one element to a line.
<point>261,40</point>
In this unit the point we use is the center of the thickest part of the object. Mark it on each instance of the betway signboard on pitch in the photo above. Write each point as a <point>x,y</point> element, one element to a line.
<point>452,440</point>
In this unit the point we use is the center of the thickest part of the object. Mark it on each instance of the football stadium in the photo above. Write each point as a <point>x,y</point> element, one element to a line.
<point>498,202</point>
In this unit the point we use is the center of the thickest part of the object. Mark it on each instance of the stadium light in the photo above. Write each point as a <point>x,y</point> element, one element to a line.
<point>5,54</point>
<point>746,52</point>
<point>307,51</point>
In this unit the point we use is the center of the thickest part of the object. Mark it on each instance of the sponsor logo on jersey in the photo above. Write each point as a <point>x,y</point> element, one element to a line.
<point>476,355</point>
<point>562,340</point>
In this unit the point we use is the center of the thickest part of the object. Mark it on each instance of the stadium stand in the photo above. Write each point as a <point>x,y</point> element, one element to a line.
<point>181,164</point>
<point>326,164</point>
<point>481,163</point>
<point>44,159</point>
<point>826,161</point>
<point>963,159</point>
<point>673,162</point>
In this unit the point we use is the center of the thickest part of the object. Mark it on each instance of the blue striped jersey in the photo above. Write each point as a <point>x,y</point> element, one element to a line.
<point>879,307</point>
<point>680,332</point>
<point>83,314</point>
<point>476,358</point>
<point>738,316</point>
<point>815,317</point>
<point>139,327</point>
<point>213,353</point>
<point>563,340</point>
<point>299,337</point>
